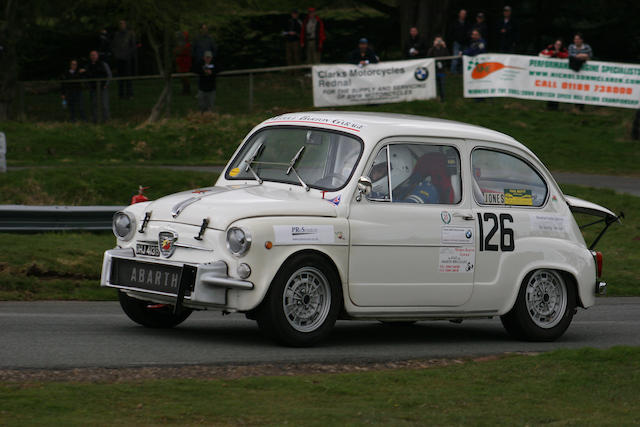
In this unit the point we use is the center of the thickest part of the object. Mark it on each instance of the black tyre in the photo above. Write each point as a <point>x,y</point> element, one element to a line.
<point>150,314</point>
<point>303,302</point>
<point>544,308</point>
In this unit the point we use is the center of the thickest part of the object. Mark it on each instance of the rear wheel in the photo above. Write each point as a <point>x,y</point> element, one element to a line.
<point>150,314</point>
<point>303,302</point>
<point>544,308</point>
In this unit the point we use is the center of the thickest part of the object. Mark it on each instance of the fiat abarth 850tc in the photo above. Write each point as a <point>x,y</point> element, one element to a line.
<point>328,215</point>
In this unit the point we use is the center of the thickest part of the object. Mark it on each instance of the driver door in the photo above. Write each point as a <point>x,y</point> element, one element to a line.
<point>408,249</point>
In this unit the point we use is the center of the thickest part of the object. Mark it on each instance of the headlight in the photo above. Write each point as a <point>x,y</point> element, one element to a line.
<point>238,241</point>
<point>124,225</point>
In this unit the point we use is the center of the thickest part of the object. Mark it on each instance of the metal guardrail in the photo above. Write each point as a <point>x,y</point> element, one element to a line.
<point>21,218</point>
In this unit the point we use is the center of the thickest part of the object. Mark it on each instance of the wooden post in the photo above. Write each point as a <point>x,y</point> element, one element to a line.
<point>99,101</point>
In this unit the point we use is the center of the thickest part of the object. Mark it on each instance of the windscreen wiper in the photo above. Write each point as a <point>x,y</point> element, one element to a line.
<point>257,153</point>
<point>292,167</point>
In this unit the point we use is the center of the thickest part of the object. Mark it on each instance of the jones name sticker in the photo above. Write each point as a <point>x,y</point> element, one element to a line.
<point>296,234</point>
<point>457,260</point>
<point>450,235</point>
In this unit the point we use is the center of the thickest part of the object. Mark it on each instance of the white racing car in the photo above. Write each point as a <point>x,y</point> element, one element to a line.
<point>328,215</point>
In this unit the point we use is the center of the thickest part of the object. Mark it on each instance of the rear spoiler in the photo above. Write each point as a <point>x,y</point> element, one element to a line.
<point>584,207</point>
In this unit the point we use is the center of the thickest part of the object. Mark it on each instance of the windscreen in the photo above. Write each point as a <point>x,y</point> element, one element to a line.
<point>326,162</point>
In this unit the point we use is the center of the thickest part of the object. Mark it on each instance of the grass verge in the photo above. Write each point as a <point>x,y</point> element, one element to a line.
<point>594,141</point>
<point>588,386</point>
<point>67,265</point>
<point>98,185</point>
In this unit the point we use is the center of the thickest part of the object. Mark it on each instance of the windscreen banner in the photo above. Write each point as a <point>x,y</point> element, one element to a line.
<point>550,79</point>
<point>385,82</point>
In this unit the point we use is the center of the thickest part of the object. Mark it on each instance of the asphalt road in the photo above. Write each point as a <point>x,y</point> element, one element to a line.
<point>97,334</point>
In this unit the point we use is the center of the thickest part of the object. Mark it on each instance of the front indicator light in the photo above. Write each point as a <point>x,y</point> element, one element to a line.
<point>244,271</point>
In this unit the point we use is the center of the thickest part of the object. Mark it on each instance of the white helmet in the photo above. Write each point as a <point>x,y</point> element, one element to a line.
<point>402,163</point>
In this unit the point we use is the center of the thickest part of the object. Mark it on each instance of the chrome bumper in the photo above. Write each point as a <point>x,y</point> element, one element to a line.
<point>195,284</point>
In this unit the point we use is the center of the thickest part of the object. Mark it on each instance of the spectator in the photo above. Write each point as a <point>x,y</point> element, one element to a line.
<point>555,50</point>
<point>579,53</point>
<point>439,48</point>
<point>416,47</point>
<point>72,92</point>
<point>481,25</point>
<point>459,35</point>
<point>104,43</point>
<point>292,38</point>
<point>363,55</point>
<point>182,51</point>
<point>203,44</point>
<point>97,69</point>
<point>124,47</point>
<point>477,45</point>
<point>312,36</point>
<point>207,83</point>
<point>508,32</point>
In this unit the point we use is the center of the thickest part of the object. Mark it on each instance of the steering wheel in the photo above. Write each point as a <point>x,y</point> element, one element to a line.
<point>327,180</point>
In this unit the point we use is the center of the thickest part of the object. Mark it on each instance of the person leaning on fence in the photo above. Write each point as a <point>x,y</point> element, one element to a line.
<point>477,45</point>
<point>72,92</point>
<point>182,52</point>
<point>460,37</point>
<point>439,48</point>
<point>291,36</point>
<point>579,54</point>
<point>555,50</point>
<point>123,47</point>
<point>97,69</point>
<point>207,83</point>
<point>363,55</point>
<point>312,36</point>
<point>416,47</point>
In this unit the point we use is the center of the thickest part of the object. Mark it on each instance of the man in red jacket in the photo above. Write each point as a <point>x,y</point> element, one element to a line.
<point>555,50</point>
<point>312,36</point>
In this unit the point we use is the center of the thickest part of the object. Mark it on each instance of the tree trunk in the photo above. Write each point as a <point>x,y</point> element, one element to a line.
<point>164,66</point>
<point>427,15</point>
<point>9,35</point>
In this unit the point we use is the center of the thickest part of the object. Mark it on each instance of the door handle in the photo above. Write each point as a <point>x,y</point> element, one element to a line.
<point>466,217</point>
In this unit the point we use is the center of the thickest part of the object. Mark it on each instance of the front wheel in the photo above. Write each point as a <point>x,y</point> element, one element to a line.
<point>544,307</point>
<point>303,302</point>
<point>150,314</point>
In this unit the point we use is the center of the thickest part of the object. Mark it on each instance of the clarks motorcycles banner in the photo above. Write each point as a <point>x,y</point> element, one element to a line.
<point>386,82</point>
<point>549,79</point>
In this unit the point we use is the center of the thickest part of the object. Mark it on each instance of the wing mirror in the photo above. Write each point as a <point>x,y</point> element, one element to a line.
<point>364,187</point>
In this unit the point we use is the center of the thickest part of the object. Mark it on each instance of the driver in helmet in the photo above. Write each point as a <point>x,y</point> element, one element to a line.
<point>402,164</point>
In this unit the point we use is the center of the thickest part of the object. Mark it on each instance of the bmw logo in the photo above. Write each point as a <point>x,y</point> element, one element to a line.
<point>468,234</point>
<point>421,73</point>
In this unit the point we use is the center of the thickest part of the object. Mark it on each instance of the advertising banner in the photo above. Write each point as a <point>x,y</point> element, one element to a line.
<point>549,79</point>
<point>386,82</point>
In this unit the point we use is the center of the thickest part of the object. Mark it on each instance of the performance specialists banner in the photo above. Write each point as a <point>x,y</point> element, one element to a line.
<point>386,82</point>
<point>549,79</point>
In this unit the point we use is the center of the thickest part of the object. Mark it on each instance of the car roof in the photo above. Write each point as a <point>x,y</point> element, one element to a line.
<point>372,127</point>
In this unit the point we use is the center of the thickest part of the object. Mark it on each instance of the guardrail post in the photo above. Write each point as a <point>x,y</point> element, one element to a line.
<point>250,91</point>
<point>3,153</point>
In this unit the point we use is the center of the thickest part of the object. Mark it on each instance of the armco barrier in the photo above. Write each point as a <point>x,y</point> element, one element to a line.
<point>20,218</point>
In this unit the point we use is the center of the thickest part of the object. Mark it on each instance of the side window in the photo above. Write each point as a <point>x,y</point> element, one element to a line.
<point>425,174</point>
<point>503,179</point>
<point>379,175</point>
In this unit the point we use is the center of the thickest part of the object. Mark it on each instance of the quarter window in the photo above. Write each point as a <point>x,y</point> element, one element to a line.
<point>502,179</point>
